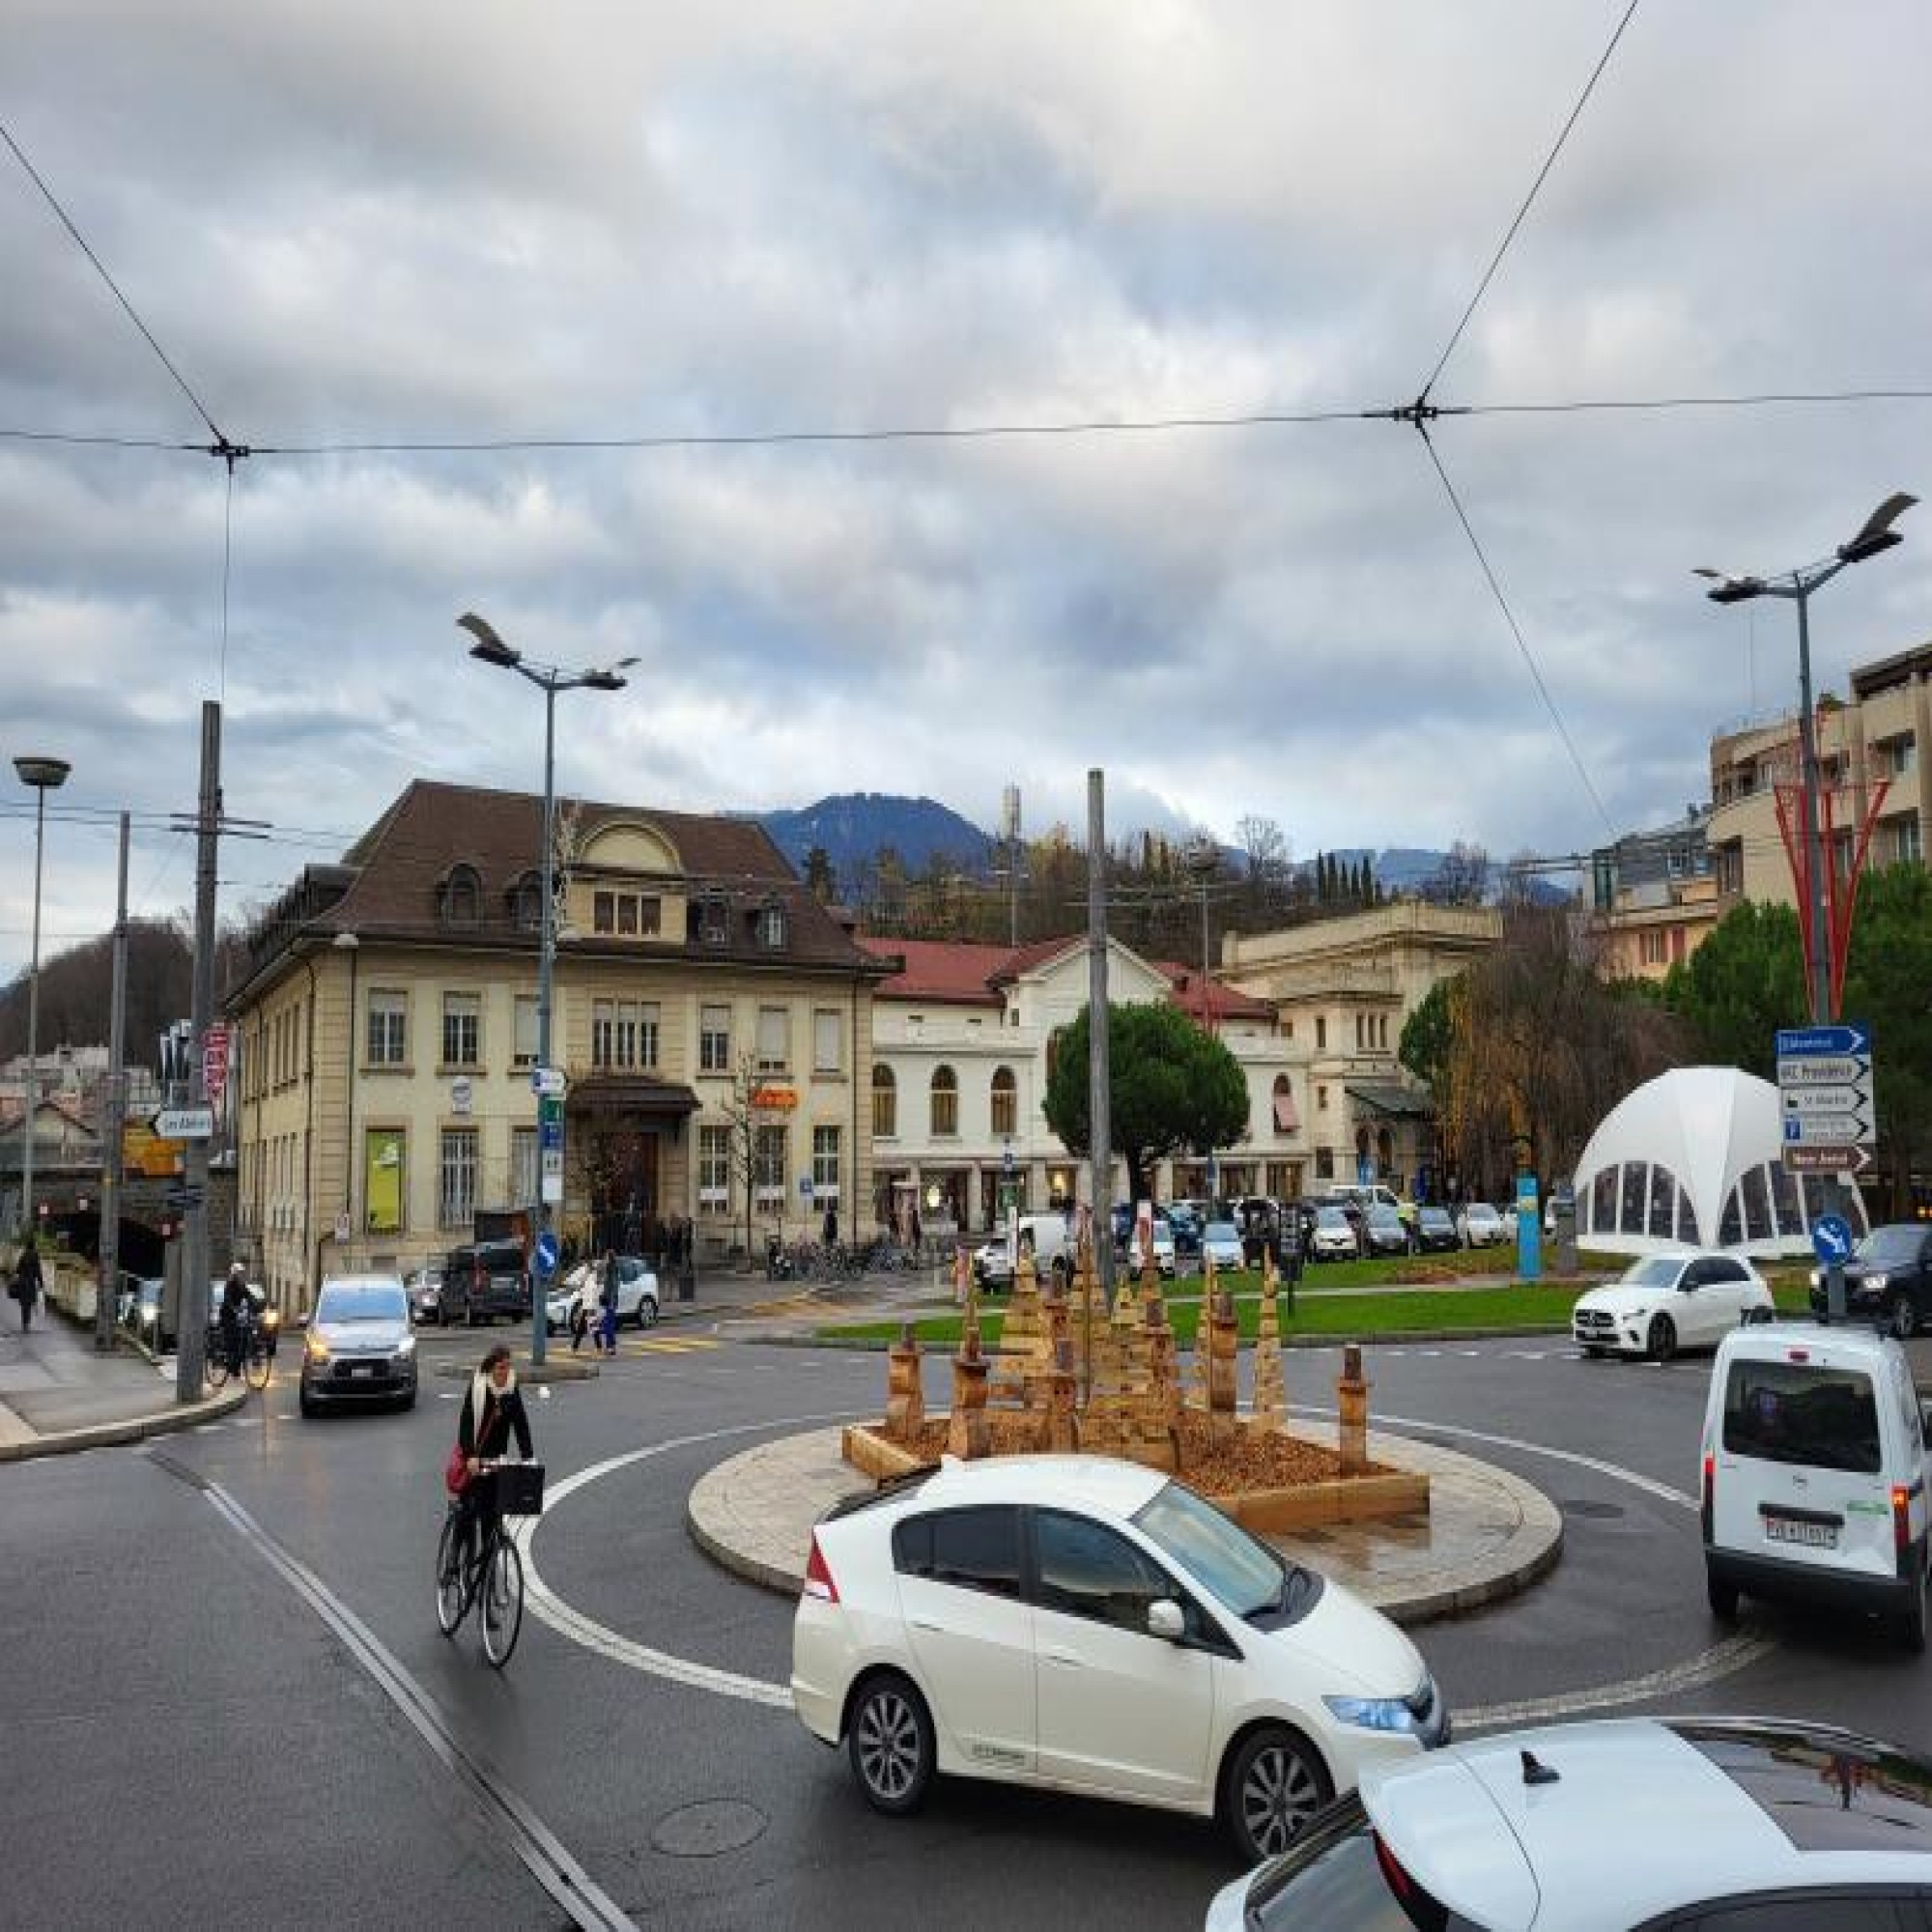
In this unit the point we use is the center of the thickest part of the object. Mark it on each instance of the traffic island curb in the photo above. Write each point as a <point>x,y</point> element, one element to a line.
<point>126,1430</point>
<point>553,1369</point>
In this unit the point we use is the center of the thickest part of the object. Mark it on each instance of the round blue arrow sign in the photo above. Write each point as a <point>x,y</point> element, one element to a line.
<point>1830,1238</point>
<point>547,1252</point>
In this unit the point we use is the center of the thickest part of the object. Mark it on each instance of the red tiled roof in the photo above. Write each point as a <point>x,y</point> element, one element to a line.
<point>1037,952</point>
<point>1222,1002</point>
<point>938,968</point>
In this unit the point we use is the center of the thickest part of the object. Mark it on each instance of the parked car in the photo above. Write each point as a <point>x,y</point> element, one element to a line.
<point>483,1280</point>
<point>1221,1243</point>
<point>1666,1302</point>
<point>1888,1277</point>
<point>1161,1235</point>
<point>1480,1225</point>
<point>1047,1237</point>
<point>1434,1230</point>
<point>1091,1626</point>
<point>637,1298</point>
<point>1385,1230</point>
<point>1334,1236</point>
<point>359,1346</point>
<point>1187,1228</point>
<point>425,1292</point>
<point>1686,1823</point>
<point>1814,1474</point>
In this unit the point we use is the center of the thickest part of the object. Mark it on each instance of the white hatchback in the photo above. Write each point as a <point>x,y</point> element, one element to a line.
<point>1091,1626</point>
<point>1666,1302</point>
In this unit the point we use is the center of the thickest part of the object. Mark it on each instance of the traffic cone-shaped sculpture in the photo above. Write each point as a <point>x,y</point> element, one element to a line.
<point>1059,1425</point>
<point>905,1397</point>
<point>968,1435</point>
<point>1223,1351</point>
<point>1351,1404</point>
<point>1197,1387</point>
<point>1271,1407</point>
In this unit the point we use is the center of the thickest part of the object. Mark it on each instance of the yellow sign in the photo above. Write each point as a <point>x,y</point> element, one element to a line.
<point>146,1157</point>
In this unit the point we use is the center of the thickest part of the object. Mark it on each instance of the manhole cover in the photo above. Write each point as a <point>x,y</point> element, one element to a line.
<point>1591,1511</point>
<point>703,1830</point>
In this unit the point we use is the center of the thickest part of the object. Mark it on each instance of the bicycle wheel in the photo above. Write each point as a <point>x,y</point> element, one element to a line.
<point>214,1368</point>
<point>257,1365</point>
<point>450,1600</point>
<point>503,1601</point>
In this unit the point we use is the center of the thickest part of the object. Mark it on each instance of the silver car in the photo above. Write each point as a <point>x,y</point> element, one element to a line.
<point>359,1346</point>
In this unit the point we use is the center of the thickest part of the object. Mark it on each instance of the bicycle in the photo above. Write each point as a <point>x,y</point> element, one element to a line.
<point>493,1574</point>
<point>255,1364</point>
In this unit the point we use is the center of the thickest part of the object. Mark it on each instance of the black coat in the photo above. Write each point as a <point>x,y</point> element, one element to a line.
<point>502,1417</point>
<point>26,1276</point>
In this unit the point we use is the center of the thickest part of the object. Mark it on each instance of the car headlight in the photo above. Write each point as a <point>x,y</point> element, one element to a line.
<point>406,1346</point>
<point>1876,1284</point>
<point>1817,1279</point>
<point>316,1348</point>
<point>147,1313</point>
<point>1372,1714</point>
<point>271,1319</point>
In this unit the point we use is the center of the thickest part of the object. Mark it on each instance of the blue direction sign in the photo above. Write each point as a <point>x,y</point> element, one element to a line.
<point>1832,1238</point>
<point>547,1252</point>
<point>1801,1042</point>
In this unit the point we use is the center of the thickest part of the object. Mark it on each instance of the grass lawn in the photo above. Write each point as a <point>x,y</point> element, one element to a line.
<point>1533,1308</point>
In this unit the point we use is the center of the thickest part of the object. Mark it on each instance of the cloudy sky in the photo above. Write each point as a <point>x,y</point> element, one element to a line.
<point>756,237</point>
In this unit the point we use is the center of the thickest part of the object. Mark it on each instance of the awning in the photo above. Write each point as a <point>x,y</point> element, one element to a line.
<point>1385,1096</point>
<point>632,1094</point>
<point>1286,1120</point>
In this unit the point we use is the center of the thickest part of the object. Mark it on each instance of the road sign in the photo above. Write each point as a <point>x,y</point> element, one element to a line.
<point>182,1198</point>
<point>1825,1129</point>
<point>1838,1097</point>
<point>550,1111</point>
<point>184,1123</point>
<point>548,1082</point>
<point>342,1231</point>
<point>1006,1158</point>
<point>547,1252</point>
<point>1830,1238</point>
<point>1828,1069</point>
<point>1808,1043</point>
<point>550,1134</point>
<point>461,1095</point>
<point>805,1188</point>
<point>214,1060</point>
<point>1850,1159</point>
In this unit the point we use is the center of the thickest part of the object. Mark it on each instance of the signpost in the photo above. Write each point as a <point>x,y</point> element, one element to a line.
<point>184,1123</point>
<point>547,1252</point>
<point>549,1137</point>
<point>214,1061</point>
<point>1830,1121</point>
<point>547,1083</point>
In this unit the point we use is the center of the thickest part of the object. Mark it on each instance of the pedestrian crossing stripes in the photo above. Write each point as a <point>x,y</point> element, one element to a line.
<point>669,1344</point>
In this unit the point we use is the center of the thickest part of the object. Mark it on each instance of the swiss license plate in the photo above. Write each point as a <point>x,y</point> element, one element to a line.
<point>364,1369</point>
<point>1813,1535</point>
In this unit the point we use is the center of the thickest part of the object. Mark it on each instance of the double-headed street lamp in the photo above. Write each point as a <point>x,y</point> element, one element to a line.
<point>1797,585</point>
<point>44,775</point>
<point>491,649</point>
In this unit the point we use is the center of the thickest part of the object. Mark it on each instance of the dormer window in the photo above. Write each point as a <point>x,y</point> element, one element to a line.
<point>527,903</point>
<point>460,897</point>
<point>771,928</point>
<point>713,924</point>
<point>626,915</point>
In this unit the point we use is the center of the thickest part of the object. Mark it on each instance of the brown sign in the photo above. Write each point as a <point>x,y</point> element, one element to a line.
<point>146,1157</point>
<point>1828,1159</point>
<point>778,1099</point>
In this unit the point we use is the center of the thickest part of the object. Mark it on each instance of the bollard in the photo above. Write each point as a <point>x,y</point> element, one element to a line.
<point>1223,1347</point>
<point>968,1435</point>
<point>905,1397</point>
<point>1352,1403</point>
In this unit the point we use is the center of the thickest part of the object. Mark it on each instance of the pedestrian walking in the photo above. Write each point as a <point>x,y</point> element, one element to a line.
<point>830,1230</point>
<point>26,1288</point>
<point>607,1327</point>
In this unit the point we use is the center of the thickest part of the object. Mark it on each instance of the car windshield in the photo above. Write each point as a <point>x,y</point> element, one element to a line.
<point>1822,1417</point>
<point>1653,1271</point>
<point>1434,1217</point>
<point>1383,1217</point>
<point>1891,1246</point>
<point>1221,1231</point>
<point>1481,1211</point>
<point>1220,1555</point>
<point>1330,1217</point>
<point>366,1301</point>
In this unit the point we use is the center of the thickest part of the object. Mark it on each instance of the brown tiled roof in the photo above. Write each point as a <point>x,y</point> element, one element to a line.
<point>1037,953</point>
<point>1210,999</point>
<point>937,969</point>
<point>400,863</point>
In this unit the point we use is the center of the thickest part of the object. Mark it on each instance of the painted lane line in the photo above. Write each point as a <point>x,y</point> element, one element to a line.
<point>515,1823</point>
<point>551,1609</point>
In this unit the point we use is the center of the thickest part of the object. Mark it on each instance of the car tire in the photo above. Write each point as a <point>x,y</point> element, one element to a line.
<point>647,1311</point>
<point>1593,1350</point>
<point>409,1400</point>
<point>1275,1783</point>
<point>1722,1598</point>
<point>1901,1317</point>
<point>1662,1341</point>
<point>890,1745</point>
<point>304,1403</point>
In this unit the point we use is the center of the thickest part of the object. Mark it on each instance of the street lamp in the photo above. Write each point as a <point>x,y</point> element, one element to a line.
<point>44,775</point>
<point>1202,860</point>
<point>1797,585</point>
<point>490,649</point>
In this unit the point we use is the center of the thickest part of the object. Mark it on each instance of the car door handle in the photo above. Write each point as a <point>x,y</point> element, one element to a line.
<point>1066,1659</point>
<point>927,1624</point>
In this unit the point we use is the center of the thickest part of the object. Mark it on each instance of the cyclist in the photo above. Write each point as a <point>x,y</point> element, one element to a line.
<point>492,1411</point>
<point>235,1308</point>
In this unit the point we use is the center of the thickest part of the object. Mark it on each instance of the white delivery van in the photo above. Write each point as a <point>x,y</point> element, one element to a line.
<point>1813,1477</point>
<point>1047,1237</point>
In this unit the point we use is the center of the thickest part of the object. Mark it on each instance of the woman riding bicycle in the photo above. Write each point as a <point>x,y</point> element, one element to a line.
<point>492,1412</point>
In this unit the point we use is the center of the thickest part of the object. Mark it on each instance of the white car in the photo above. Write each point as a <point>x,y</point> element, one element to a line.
<point>1221,1244</point>
<point>1481,1226</point>
<point>1162,1236</point>
<point>1714,1823</point>
<point>1666,1302</point>
<point>1091,1626</point>
<point>637,1298</point>
<point>1334,1236</point>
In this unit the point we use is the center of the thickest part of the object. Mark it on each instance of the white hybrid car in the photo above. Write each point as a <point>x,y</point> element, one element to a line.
<point>1666,1302</point>
<point>1095,1627</point>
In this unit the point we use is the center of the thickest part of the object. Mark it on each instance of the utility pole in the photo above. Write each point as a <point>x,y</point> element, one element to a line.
<point>192,1343</point>
<point>1099,1077</point>
<point>106,1293</point>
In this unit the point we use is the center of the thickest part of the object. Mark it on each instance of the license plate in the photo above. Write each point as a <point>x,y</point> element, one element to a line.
<point>364,1369</point>
<point>1813,1535</point>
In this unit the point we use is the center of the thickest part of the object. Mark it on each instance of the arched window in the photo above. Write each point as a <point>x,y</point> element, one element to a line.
<point>459,896</point>
<point>1006,1102</point>
<point>885,1102</point>
<point>945,1102</point>
<point>527,903</point>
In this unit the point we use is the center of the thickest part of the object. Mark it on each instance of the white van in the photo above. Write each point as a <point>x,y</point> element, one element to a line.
<point>1047,1237</point>
<point>1814,1473</point>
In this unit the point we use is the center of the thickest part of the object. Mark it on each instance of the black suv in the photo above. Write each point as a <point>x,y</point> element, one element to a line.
<point>481,1281</point>
<point>1888,1277</point>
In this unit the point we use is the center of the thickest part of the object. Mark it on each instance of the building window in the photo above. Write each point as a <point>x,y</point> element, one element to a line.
<point>523,1032</point>
<point>388,1029</point>
<point>714,1169</point>
<point>604,912</point>
<point>1907,849</point>
<point>768,1168</point>
<point>1321,1033</point>
<point>945,1101</point>
<point>827,1041</point>
<point>772,928</point>
<point>714,927</point>
<point>1359,1033</point>
<point>461,897</point>
<point>626,915</point>
<point>885,1102</point>
<point>1325,1163</point>
<point>523,1164</point>
<point>1006,1102</point>
<point>461,1029</point>
<point>774,1040</point>
<point>623,1033</point>
<point>456,1191</point>
<point>714,1039</point>
<point>1654,945</point>
<point>824,1165</point>
<point>527,903</point>
<point>383,1172</point>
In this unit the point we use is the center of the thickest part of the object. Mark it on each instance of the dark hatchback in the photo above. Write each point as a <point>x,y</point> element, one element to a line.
<point>482,1281</point>
<point>1436,1232</point>
<point>1889,1278</point>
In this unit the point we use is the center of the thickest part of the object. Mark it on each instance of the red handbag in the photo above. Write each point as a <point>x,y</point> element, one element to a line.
<point>456,1472</point>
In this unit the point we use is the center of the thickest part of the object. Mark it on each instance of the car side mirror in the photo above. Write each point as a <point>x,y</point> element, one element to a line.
<point>1166,1621</point>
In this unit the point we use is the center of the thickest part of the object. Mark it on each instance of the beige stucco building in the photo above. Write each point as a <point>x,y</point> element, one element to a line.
<point>712,1020</point>
<point>1342,990</point>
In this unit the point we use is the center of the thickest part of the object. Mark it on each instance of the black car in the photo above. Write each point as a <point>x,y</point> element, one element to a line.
<point>481,1281</point>
<point>1887,1278</point>
<point>1385,1231</point>
<point>1435,1230</point>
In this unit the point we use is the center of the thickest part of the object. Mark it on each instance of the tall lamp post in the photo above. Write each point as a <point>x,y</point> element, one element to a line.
<point>1797,585</point>
<point>1201,862</point>
<point>491,649</point>
<point>44,775</point>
